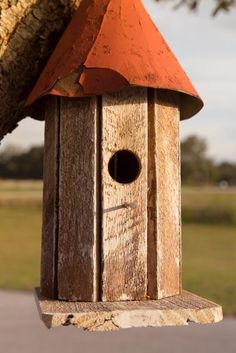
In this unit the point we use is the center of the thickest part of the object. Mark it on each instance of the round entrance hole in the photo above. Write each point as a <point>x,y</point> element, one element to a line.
<point>124,167</point>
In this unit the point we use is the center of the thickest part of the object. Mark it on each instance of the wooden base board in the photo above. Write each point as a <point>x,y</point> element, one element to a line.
<point>106,316</point>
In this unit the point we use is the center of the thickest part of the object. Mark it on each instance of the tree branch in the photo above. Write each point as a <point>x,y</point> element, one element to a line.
<point>220,5</point>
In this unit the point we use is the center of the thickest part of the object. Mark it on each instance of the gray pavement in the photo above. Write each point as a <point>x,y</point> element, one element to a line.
<point>21,331</point>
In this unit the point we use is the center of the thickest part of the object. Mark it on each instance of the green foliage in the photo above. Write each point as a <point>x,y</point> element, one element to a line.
<point>226,171</point>
<point>15,164</point>
<point>198,169</point>
<point>219,5</point>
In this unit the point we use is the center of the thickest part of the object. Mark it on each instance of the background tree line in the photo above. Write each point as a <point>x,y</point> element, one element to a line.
<point>197,167</point>
<point>22,165</point>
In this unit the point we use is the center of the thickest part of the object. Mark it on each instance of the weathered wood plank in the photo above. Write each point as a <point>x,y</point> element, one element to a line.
<point>50,199</point>
<point>124,223</point>
<point>77,243</point>
<point>164,219</point>
<point>174,311</point>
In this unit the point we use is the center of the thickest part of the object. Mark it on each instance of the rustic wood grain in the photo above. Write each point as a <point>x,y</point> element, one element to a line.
<point>175,311</point>
<point>124,230</point>
<point>164,229</point>
<point>50,199</point>
<point>77,239</point>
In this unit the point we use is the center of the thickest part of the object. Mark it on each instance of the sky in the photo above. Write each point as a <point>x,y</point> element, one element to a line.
<point>206,49</point>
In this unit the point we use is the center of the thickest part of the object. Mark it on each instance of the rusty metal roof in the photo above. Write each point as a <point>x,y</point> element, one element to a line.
<point>111,44</point>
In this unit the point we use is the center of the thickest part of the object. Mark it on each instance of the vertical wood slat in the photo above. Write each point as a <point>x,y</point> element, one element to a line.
<point>124,243</point>
<point>77,239</point>
<point>50,199</point>
<point>164,199</point>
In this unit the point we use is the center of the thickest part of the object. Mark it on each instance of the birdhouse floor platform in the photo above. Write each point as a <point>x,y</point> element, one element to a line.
<point>110,316</point>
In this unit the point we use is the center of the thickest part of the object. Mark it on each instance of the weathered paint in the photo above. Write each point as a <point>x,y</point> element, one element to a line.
<point>111,44</point>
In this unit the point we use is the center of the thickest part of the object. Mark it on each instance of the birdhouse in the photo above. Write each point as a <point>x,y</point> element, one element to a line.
<point>111,242</point>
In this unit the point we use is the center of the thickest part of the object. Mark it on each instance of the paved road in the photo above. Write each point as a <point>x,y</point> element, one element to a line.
<point>21,331</point>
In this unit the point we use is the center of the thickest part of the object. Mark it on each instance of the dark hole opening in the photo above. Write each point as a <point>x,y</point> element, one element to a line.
<point>124,167</point>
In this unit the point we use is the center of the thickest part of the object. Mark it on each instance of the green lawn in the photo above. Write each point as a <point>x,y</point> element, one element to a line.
<point>209,205</point>
<point>19,246</point>
<point>209,263</point>
<point>209,249</point>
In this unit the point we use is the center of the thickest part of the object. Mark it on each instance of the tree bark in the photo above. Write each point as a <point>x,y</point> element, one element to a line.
<point>29,31</point>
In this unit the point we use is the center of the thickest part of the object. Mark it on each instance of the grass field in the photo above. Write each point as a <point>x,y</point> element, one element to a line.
<point>209,205</point>
<point>19,246</point>
<point>209,262</point>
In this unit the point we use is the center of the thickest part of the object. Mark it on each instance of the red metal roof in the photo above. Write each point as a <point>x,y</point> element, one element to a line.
<point>111,44</point>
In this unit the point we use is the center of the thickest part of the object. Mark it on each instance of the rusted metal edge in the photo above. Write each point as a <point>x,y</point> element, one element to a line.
<point>109,45</point>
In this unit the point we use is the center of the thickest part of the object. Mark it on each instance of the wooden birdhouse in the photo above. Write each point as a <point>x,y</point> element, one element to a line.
<point>111,247</point>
